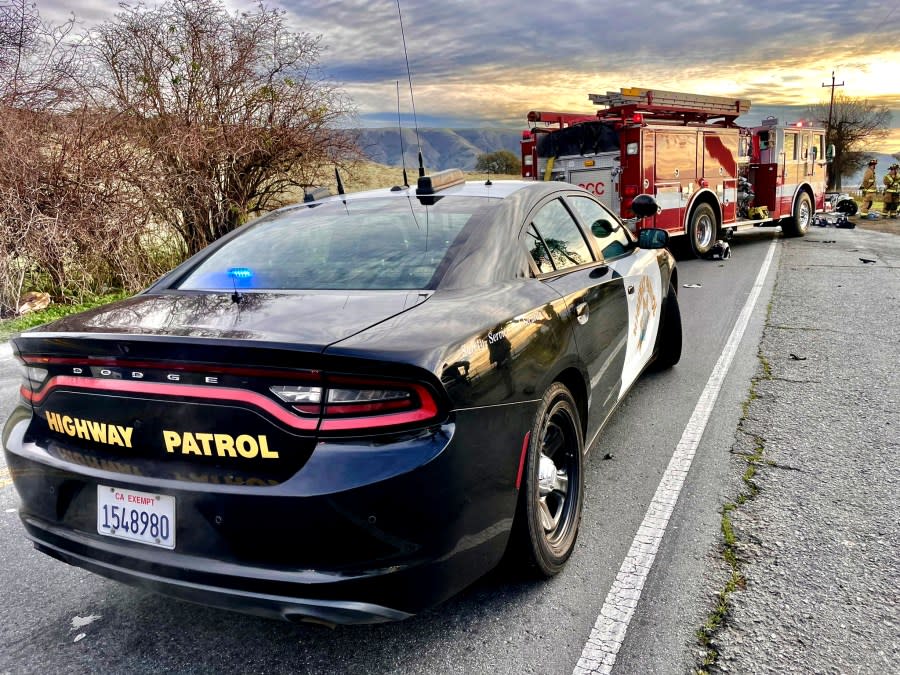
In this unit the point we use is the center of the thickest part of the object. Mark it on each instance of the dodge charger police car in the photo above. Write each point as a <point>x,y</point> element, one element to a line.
<point>349,409</point>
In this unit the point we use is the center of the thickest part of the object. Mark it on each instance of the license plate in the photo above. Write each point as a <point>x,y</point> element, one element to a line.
<point>136,516</point>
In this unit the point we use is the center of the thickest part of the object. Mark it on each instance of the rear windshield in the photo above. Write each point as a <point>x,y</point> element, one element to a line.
<point>380,243</point>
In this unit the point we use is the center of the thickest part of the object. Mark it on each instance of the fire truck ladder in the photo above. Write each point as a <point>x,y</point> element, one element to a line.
<point>669,105</point>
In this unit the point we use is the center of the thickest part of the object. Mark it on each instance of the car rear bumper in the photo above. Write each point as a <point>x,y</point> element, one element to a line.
<point>62,546</point>
<point>364,551</point>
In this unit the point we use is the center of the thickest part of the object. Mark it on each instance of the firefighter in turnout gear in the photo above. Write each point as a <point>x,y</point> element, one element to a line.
<point>868,188</point>
<point>892,191</point>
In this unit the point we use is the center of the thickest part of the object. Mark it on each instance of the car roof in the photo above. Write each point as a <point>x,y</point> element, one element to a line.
<point>514,199</point>
<point>499,189</point>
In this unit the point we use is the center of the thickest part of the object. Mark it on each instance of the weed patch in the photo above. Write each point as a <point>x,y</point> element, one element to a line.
<point>9,327</point>
<point>719,613</point>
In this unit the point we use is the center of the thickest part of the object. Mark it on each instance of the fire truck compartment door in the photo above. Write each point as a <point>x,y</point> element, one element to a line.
<point>599,181</point>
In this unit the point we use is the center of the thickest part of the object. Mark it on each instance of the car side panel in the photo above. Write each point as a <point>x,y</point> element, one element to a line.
<point>644,289</point>
<point>598,314</point>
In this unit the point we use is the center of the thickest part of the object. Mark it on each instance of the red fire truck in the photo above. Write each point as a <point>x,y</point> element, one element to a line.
<point>709,175</point>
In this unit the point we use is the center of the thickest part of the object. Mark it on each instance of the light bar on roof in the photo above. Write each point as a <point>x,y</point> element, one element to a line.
<point>428,185</point>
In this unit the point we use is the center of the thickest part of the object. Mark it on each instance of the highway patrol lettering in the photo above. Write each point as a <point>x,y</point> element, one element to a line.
<point>89,430</point>
<point>222,445</point>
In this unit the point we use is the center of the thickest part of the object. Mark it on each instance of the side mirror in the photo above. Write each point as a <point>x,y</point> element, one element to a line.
<point>653,238</point>
<point>603,228</point>
<point>644,206</point>
<point>829,152</point>
<point>815,153</point>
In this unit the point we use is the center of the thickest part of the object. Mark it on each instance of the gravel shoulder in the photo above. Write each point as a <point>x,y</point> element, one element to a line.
<point>816,546</point>
<point>890,226</point>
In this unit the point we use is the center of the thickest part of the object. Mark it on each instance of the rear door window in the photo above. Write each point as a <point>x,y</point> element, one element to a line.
<point>608,233</point>
<point>560,238</point>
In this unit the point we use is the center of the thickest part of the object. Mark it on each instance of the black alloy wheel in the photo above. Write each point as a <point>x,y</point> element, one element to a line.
<point>552,490</point>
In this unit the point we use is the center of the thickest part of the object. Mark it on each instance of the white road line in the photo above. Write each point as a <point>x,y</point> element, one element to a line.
<point>5,350</point>
<point>608,634</point>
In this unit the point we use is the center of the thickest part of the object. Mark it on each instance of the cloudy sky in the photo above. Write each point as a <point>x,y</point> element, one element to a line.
<point>488,62</point>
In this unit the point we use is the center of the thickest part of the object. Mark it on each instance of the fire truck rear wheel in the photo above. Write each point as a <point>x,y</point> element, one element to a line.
<point>702,230</point>
<point>803,215</point>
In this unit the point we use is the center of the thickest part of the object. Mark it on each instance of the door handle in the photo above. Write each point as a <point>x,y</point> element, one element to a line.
<point>598,272</point>
<point>631,289</point>
<point>582,312</point>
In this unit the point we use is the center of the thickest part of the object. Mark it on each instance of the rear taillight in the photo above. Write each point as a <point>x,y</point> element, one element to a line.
<point>310,400</point>
<point>33,378</point>
<point>304,399</point>
<point>358,404</point>
<point>367,401</point>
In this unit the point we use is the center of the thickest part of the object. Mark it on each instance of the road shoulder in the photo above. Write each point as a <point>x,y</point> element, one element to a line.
<point>816,573</point>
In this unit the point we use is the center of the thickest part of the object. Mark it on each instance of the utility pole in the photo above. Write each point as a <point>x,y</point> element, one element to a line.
<point>831,105</point>
<point>828,128</point>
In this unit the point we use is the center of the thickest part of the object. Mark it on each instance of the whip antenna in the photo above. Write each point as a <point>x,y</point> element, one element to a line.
<point>411,98</point>
<point>400,127</point>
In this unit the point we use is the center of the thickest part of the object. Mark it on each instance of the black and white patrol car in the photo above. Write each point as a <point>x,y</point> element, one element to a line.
<point>349,409</point>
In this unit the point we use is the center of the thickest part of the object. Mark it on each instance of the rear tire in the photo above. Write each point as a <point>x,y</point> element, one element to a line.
<point>799,224</point>
<point>669,337</point>
<point>550,499</point>
<point>702,230</point>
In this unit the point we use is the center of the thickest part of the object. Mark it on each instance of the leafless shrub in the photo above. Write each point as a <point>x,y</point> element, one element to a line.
<point>165,128</point>
<point>230,107</point>
<point>36,62</point>
<point>68,225</point>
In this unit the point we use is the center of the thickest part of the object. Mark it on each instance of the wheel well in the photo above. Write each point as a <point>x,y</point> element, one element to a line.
<point>706,198</point>
<point>808,190</point>
<point>574,382</point>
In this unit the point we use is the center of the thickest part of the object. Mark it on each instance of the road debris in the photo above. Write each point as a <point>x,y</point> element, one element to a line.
<point>82,621</point>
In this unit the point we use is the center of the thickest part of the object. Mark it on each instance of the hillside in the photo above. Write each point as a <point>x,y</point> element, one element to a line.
<point>441,148</point>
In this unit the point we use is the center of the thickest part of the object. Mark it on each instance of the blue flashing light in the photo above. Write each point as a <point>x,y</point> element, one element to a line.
<point>240,273</point>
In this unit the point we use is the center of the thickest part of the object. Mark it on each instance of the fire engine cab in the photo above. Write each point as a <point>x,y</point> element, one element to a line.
<point>709,175</point>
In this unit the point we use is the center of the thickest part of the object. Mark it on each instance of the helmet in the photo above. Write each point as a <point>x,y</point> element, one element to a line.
<point>894,166</point>
<point>873,162</point>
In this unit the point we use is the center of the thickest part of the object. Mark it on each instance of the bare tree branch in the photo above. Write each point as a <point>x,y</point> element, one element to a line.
<point>230,106</point>
<point>854,121</point>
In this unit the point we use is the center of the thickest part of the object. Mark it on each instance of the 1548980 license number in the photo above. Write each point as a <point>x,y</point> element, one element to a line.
<point>136,516</point>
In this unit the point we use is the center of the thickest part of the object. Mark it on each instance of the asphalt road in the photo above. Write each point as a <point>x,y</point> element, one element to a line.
<point>817,546</point>
<point>55,618</point>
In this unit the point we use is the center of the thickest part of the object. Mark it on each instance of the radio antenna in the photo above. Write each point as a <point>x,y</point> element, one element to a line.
<point>411,98</point>
<point>400,127</point>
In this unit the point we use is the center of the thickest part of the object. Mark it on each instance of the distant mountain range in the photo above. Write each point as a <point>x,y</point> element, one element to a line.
<point>459,148</point>
<point>441,148</point>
